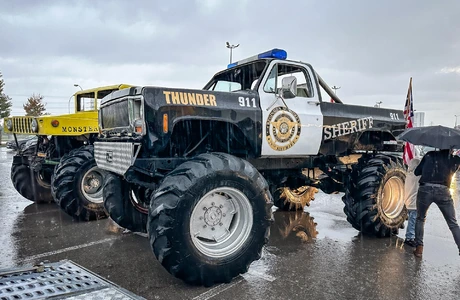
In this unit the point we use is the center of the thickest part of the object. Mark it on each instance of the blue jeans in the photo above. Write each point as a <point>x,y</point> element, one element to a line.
<point>441,196</point>
<point>412,216</point>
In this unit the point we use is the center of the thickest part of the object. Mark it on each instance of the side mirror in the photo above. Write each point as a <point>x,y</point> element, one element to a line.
<point>289,87</point>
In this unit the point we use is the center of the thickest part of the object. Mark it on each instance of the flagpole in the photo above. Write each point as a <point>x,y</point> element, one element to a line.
<point>409,149</point>
<point>411,87</point>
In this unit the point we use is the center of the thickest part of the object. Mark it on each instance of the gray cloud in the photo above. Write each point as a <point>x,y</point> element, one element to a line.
<point>369,48</point>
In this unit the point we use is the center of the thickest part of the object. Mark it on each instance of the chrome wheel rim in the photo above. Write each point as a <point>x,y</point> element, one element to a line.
<point>392,197</point>
<point>92,185</point>
<point>139,205</point>
<point>40,177</point>
<point>221,222</point>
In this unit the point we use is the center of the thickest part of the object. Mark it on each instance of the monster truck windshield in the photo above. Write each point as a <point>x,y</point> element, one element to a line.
<point>86,101</point>
<point>242,78</point>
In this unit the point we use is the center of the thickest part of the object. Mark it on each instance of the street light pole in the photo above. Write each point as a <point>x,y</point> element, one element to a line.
<point>335,88</point>
<point>231,47</point>
<point>77,85</point>
<point>377,104</point>
<point>68,104</point>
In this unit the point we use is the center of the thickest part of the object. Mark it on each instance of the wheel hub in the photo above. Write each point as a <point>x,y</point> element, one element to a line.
<point>213,223</point>
<point>212,216</point>
<point>392,197</point>
<point>91,185</point>
<point>221,222</point>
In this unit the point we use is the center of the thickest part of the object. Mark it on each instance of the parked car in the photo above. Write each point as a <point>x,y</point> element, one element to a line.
<point>422,150</point>
<point>28,141</point>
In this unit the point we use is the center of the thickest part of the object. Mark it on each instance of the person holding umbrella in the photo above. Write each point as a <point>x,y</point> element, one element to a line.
<point>436,171</point>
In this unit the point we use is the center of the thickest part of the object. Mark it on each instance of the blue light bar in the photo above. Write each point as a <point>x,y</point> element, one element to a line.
<point>274,53</point>
<point>232,65</point>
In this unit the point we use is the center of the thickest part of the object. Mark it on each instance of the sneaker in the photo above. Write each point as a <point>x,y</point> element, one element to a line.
<point>410,242</point>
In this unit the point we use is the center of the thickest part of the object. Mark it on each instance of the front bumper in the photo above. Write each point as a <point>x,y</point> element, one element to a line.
<point>116,157</point>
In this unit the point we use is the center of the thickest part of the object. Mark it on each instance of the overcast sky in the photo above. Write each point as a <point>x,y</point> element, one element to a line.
<point>369,48</point>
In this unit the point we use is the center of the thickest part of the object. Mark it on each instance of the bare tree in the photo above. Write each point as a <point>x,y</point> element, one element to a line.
<point>35,106</point>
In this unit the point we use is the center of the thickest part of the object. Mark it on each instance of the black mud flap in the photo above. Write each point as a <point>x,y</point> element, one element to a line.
<point>20,160</point>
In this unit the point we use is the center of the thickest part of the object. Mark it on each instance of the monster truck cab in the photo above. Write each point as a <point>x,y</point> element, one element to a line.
<point>201,167</point>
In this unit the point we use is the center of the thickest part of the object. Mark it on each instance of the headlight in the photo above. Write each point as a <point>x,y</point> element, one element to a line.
<point>9,124</point>
<point>34,125</point>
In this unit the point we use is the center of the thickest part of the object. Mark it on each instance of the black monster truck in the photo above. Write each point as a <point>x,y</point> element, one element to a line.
<point>198,170</point>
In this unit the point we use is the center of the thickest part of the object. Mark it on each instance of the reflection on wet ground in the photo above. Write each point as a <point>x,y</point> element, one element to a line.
<point>293,225</point>
<point>313,254</point>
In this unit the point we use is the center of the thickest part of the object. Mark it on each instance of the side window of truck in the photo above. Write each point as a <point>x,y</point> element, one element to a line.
<point>85,102</point>
<point>280,71</point>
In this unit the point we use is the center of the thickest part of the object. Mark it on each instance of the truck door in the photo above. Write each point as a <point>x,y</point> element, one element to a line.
<point>293,127</point>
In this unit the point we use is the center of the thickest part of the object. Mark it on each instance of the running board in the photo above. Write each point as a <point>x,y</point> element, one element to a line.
<point>61,280</point>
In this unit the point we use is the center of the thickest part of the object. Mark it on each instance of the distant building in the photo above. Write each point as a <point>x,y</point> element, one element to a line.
<point>419,119</point>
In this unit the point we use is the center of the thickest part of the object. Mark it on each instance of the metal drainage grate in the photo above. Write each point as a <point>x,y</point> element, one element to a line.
<point>61,280</point>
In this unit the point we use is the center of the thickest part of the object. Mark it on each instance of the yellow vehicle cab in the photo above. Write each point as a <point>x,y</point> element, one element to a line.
<point>60,165</point>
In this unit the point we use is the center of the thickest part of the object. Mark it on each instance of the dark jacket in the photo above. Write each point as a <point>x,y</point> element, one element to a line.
<point>437,167</point>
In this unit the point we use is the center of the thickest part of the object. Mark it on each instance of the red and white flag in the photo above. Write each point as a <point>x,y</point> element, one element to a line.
<point>409,151</point>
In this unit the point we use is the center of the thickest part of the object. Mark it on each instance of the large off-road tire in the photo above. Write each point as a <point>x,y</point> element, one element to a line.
<point>30,184</point>
<point>289,193</point>
<point>77,185</point>
<point>210,218</point>
<point>288,199</point>
<point>125,203</point>
<point>374,197</point>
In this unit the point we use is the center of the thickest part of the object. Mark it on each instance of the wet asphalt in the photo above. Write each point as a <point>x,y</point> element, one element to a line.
<point>314,254</point>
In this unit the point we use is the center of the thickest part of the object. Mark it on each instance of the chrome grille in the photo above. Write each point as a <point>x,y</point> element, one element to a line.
<point>116,157</point>
<point>115,115</point>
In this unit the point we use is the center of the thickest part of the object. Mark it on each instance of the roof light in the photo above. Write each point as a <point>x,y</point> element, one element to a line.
<point>232,65</point>
<point>274,53</point>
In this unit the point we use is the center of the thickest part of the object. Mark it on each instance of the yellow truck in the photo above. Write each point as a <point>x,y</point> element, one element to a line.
<point>60,165</point>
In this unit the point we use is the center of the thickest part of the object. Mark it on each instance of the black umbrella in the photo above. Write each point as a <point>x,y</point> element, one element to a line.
<point>440,137</point>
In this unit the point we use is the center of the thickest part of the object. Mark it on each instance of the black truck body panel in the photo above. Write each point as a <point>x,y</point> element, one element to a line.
<point>187,105</point>
<point>344,127</point>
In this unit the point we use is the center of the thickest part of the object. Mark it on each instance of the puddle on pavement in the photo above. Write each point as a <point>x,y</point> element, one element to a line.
<point>302,227</point>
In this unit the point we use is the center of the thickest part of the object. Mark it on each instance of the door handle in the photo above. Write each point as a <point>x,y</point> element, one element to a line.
<point>313,102</point>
